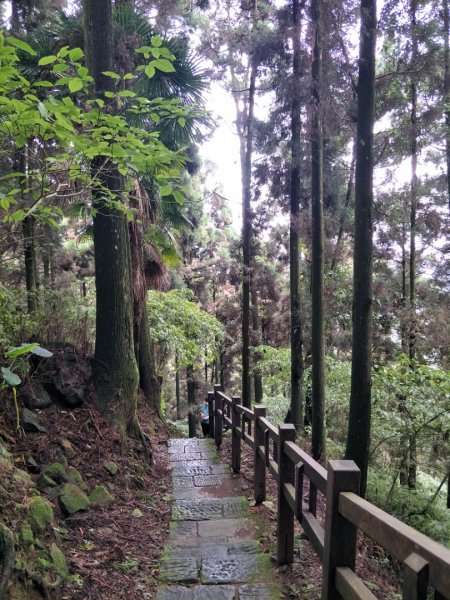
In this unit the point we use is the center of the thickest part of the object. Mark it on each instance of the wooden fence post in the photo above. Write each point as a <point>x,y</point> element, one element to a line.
<point>285,517</point>
<point>218,408</point>
<point>340,535</point>
<point>259,475</point>
<point>211,413</point>
<point>235,438</point>
<point>415,578</point>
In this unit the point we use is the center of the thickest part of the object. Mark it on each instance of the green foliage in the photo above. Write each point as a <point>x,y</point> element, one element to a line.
<point>70,129</point>
<point>177,322</point>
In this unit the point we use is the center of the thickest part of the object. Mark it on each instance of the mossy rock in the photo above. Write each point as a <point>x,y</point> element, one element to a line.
<point>67,447</point>
<point>100,496</point>
<point>26,533</point>
<point>111,467</point>
<point>57,472</point>
<point>73,499</point>
<point>44,482</point>
<point>6,459</point>
<point>74,476</point>
<point>59,561</point>
<point>22,476</point>
<point>40,513</point>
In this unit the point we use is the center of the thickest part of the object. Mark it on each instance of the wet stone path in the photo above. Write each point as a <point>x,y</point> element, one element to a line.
<point>212,552</point>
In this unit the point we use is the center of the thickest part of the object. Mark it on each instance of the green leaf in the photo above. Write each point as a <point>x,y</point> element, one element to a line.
<point>22,45</point>
<point>82,71</point>
<point>11,378</point>
<point>110,95</point>
<point>156,41</point>
<point>39,351</point>
<point>181,121</point>
<point>178,197</point>
<point>75,84</point>
<point>60,68</point>
<point>43,84</point>
<point>165,190</point>
<point>20,350</point>
<point>75,54</point>
<point>126,94</point>
<point>150,71</point>
<point>12,175</point>
<point>111,74</point>
<point>47,60</point>
<point>162,64</point>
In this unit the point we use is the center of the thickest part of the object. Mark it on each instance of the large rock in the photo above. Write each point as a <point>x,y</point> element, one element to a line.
<point>73,499</point>
<point>40,513</point>
<point>34,395</point>
<point>6,559</point>
<point>65,375</point>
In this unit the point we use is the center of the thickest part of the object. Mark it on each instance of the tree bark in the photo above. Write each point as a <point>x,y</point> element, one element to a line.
<point>191,401</point>
<point>445,11</point>
<point>115,371</point>
<point>358,436</point>
<point>246,239</point>
<point>297,365</point>
<point>256,326</point>
<point>317,284</point>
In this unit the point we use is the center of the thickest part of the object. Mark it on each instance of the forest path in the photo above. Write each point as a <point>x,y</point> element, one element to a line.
<point>213,551</point>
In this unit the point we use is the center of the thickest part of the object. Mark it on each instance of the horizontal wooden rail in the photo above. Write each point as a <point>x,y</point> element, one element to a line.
<point>397,538</point>
<point>425,562</point>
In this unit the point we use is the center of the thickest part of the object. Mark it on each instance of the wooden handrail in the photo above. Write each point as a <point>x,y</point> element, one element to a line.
<point>425,562</point>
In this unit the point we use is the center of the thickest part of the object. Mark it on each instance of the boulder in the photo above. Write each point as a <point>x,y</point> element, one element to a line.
<point>100,496</point>
<point>59,561</point>
<point>73,499</point>
<point>40,513</point>
<point>7,555</point>
<point>66,375</point>
<point>34,395</point>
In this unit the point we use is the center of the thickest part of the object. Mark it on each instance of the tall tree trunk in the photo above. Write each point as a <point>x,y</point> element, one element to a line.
<point>445,11</point>
<point>246,239</point>
<point>343,215</point>
<point>317,288</point>
<point>412,467</point>
<point>148,378</point>
<point>256,326</point>
<point>358,436</point>
<point>297,365</point>
<point>30,263</point>
<point>177,386</point>
<point>191,401</point>
<point>115,371</point>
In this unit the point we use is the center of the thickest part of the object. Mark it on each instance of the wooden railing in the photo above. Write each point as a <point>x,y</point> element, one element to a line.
<point>426,564</point>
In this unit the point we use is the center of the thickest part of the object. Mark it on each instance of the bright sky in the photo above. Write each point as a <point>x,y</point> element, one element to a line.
<point>223,150</point>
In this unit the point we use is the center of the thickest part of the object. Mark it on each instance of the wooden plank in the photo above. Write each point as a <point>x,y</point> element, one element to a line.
<point>273,431</point>
<point>285,515</point>
<point>289,494</point>
<point>312,528</point>
<point>249,440</point>
<point>259,465</point>
<point>273,469</point>
<point>398,539</point>
<point>350,586</point>
<point>299,469</point>
<point>245,411</point>
<point>340,535</point>
<point>235,436</point>
<point>313,470</point>
<point>415,578</point>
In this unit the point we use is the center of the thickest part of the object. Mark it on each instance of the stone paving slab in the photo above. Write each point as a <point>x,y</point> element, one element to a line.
<point>199,592</point>
<point>209,508</point>
<point>213,552</point>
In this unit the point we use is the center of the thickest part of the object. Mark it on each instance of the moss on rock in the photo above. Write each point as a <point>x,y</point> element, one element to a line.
<point>73,499</point>
<point>100,496</point>
<point>40,513</point>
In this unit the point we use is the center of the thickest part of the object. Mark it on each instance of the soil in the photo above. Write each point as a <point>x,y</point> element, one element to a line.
<point>113,551</point>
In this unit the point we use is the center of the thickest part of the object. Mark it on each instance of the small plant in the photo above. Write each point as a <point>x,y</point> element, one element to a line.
<point>16,363</point>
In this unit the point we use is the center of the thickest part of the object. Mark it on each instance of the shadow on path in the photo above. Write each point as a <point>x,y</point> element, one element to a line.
<point>213,552</point>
